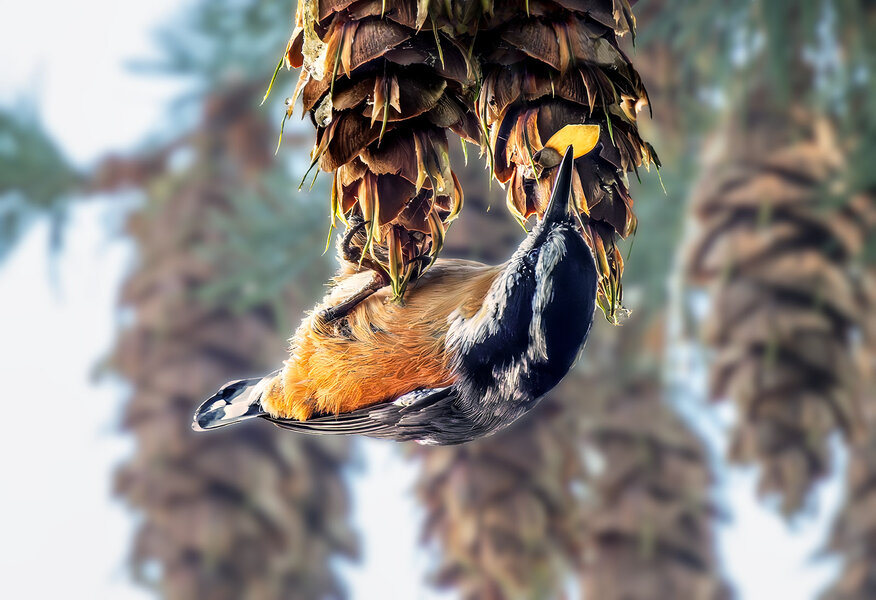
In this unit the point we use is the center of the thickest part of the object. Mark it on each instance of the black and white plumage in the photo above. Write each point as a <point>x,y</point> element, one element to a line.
<point>501,359</point>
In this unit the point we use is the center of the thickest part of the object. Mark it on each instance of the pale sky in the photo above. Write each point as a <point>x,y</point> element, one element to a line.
<point>62,534</point>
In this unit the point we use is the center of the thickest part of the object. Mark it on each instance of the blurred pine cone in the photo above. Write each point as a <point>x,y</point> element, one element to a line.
<point>776,246</point>
<point>650,527</point>
<point>243,514</point>
<point>504,511</point>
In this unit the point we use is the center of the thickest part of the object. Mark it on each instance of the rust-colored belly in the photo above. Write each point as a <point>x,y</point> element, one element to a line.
<point>382,350</point>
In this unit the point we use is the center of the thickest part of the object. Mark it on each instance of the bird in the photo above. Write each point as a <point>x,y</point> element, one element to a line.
<point>469,350</point>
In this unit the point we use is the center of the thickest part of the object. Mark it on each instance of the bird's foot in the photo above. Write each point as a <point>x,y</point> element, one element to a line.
<point>339,311</point>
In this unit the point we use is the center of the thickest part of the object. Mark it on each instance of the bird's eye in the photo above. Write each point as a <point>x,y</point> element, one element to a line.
<point>532,257</point>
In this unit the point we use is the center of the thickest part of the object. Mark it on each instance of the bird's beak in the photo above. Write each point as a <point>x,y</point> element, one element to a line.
<point>561,205</point>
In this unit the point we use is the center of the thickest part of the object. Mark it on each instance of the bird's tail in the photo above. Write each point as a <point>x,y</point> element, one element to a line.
<point>235,401</point>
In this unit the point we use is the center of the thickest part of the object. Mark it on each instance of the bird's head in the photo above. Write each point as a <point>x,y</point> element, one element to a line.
<point>555,235</point>
<point>538,312</point>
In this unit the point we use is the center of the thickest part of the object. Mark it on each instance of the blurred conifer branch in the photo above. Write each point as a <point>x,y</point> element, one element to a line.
<point>36,179</point>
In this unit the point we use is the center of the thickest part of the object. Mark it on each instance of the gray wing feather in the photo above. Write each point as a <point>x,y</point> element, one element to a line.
<point>428,416</point>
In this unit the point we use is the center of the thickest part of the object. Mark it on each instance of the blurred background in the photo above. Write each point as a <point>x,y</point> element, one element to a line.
<point>719,444</point>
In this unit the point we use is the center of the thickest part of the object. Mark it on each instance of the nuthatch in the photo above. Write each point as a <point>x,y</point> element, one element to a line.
<point>470,349</point>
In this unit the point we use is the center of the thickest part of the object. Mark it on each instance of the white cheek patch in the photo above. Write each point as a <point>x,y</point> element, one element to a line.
<point>463,334</point>
<point>552,252</point>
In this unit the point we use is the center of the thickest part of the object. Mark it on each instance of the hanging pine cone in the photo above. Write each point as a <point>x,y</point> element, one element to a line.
<point>550,64</point>
<point>383,81</point>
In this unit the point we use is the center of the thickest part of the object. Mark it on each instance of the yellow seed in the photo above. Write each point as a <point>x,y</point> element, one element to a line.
<point>582,138</point>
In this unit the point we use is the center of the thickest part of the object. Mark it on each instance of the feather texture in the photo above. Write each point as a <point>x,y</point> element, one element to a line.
<point>382,350</point>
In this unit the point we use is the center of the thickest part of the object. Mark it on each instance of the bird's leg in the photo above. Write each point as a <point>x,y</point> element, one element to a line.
<point>333,313</point>
<point>352,244</point>
<point>348,252</point>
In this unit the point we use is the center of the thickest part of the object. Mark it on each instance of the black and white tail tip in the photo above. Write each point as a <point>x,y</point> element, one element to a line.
<point>235,401</point>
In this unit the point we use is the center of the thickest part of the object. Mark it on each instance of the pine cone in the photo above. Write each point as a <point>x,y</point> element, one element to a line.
<point>650,528</point>
<point>777,254</point>
<point>548,64</point>
<point>383,81</point>
<point>243,514</point>
<point>503,511</point>
<point>854,531</point>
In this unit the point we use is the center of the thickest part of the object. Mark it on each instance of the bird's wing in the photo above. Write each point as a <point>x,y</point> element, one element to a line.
<point>428,416</point>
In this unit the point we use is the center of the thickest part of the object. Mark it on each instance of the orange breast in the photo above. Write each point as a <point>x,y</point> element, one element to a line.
<point>383,349</point>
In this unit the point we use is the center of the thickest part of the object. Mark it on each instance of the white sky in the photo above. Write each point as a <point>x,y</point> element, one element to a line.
<point>70,57</point>
<point>62,535</point>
